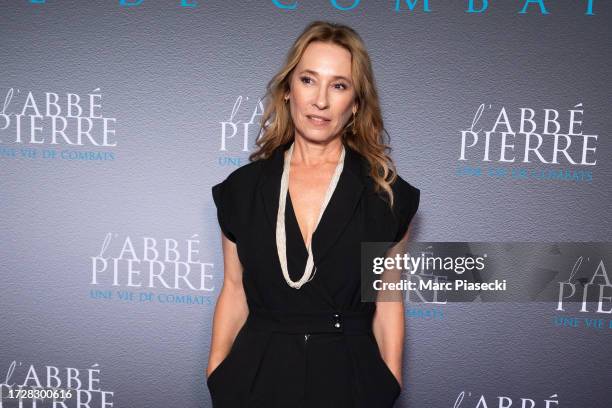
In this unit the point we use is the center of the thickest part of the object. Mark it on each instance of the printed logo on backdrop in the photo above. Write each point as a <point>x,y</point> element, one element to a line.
<point>476,400</point>
<point>425,304</point>
<point>239,132</point>
<point>473,6</point>
<point>25,385</point>
<point>149,270</point>
<point>528,144</point>
<point>584,296</point>
<point>52,126</point>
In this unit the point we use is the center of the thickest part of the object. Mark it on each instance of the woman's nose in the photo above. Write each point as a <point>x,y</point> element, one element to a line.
<point>321,101</point>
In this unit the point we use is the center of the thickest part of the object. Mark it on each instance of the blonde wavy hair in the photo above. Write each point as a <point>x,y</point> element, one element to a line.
<point>364,133</point>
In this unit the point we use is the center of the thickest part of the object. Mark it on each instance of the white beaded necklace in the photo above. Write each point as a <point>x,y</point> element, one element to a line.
<point>281,236</point>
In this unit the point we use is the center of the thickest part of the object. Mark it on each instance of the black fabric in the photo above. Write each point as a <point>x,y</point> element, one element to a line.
<point>347,322</point>
<point>221,201</point>
<point>290,353</point>
<point>408,199</point>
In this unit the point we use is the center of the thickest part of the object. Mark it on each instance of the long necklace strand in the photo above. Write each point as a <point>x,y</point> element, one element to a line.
<point>281,236</point>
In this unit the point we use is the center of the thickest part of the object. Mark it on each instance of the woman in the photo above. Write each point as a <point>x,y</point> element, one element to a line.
<point>290,329</point>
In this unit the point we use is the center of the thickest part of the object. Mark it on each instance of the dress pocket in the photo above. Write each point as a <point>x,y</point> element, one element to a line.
<point>212,377</point>
<point>384,368</point>
<point>214,372</point>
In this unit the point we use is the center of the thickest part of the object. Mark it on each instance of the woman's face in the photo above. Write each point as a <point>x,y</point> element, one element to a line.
<point>321,85</point>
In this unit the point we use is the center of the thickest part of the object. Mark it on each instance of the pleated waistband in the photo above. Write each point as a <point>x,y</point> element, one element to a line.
<point>347,322</point>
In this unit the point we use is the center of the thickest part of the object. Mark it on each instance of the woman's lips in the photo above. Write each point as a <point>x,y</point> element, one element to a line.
<point>316,121</point>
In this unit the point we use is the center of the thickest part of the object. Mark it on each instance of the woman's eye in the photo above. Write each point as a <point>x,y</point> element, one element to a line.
<point>305,80</point>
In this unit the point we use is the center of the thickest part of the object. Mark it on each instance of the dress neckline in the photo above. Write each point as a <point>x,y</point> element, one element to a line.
<point>281,235</point>
<point>291,209</point>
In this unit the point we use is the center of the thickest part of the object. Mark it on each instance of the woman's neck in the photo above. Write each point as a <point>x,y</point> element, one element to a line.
<point>312,154</point>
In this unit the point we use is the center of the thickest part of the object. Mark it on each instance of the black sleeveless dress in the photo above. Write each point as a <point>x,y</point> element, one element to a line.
<point>313,346</point>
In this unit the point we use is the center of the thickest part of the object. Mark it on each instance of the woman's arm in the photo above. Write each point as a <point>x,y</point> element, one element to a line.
<point>388,325</point>
<point>388,329</point>
<point>231,310</point>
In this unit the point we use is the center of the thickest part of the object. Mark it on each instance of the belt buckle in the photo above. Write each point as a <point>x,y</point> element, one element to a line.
<point>337,321</point>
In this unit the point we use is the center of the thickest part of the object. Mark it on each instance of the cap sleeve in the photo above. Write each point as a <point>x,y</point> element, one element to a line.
<point>407,203</point>
<point>221,196</point>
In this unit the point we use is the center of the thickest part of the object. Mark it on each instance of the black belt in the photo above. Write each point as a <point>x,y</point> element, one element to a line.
<point>347,322</point>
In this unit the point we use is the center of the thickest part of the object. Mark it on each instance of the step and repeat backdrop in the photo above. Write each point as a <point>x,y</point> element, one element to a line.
<point>117,118</point>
